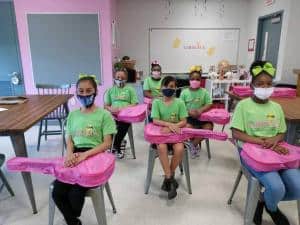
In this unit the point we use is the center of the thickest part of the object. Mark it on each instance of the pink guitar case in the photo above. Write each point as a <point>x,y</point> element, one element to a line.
<point>93,171</point>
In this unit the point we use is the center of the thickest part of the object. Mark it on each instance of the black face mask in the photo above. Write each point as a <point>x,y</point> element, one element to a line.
<point>156,79</point>
<point>87,100</point>
<point>168,92</point>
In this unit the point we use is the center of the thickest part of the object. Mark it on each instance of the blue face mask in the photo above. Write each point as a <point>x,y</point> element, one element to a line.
<point>120,83</point>
<point>168,92</point>
<point>86,100</point>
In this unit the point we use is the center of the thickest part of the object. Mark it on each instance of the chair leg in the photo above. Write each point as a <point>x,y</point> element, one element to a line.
<point>298,206</point>
<point>208,148</point>
<point>181,168</point>
<point>64,144</point>
<point>40,135</point>
<point>235,186</point>
<point>51,206</point>
<point>130,135</point>
<point>99,206</point>
<point>110,197</point>
<point>151,162</point>
<point>223,127</point>
<point>46,129</point>
<point>253,193</point>
<point>186,167</point>
<point>6,184</point>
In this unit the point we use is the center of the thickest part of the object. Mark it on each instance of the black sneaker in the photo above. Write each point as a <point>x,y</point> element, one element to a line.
<point>120,154</point>
<point>172,193</point>
<point>165,186</point>
<point>257,220</point>
<point>278,217</point>
<point>123,145</point>
<point>175,181</point>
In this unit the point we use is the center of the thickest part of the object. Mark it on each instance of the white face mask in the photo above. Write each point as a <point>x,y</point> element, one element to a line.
<point>156,74</point>
<point>263,93</point>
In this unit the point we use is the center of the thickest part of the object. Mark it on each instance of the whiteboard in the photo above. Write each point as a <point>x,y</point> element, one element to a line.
<point>64,45</point>
<point>177,49</point>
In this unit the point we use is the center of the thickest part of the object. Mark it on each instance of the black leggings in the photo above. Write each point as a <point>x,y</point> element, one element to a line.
<point>69,198</point>
<point>122,128</point>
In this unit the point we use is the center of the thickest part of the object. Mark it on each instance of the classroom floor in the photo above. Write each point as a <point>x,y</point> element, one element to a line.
<point>212,182</point>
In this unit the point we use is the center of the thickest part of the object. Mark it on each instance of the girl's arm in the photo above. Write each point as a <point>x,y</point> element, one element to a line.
<point>174,127</point>
<point>242,136</point>
<point>271,142</point>
<point>204,108</point>
<point>99,148</point>
<point>147,93</point>
<point>70,159</point>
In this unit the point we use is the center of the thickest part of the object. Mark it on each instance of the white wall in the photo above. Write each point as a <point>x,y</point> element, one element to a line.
<point>257,9</point>
<point>292,46</point>
<point>137,16</point>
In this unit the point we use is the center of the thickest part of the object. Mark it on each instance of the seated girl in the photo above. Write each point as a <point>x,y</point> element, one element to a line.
<point>117,97</point>
<point>89,132</point>
<point>152,84</point>
<point>261,121</point>
<point>197,101</point>
<point>170,113</point>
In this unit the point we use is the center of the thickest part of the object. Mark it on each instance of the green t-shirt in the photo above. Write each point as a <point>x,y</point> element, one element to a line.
<point>152,85</point>
<point>173,113</point>
<point>88,130</point>
<point>195,99</point>
<point>259,120</point>
<point>121,97</point>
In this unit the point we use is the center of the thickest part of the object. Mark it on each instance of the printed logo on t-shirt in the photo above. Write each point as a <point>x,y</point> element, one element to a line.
<point>123,96</point>
<point>173,117</point>
<point>269,122</point>
<point>88,131</point>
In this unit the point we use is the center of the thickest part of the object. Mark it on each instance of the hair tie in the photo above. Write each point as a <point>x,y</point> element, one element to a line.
<point>84,75</point>
<point>154,62</point>
<point>196,68</point>
<point>268,68</point>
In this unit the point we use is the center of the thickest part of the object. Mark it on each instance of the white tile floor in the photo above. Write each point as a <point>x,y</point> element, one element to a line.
<point>212,182</point>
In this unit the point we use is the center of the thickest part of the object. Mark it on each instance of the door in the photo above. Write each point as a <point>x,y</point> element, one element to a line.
<point>10,63</point>
<point>268,37</point>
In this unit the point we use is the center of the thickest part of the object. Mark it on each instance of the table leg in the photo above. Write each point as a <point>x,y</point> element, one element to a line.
<point>18,142</point>
<point>291,132</point>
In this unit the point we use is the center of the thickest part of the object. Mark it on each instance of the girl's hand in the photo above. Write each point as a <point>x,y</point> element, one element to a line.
<point>80,157</point>
<point>114,110</point>
<point>165,130</point>
<point>281,150</point>
<point>174,128</point>
<point>199,111</point>
<point>194,113</point>
<point>70,160</point>
<point>270,142</point>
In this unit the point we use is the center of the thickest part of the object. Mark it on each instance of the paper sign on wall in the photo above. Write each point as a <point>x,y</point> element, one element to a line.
<point>269,2</point>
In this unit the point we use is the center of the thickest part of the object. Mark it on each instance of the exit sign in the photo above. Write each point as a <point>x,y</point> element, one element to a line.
<point>269,2</point>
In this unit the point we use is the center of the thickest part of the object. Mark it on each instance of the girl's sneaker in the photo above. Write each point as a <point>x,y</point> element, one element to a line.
<point>123,145</point>
<point>194,150</point>
<point>120,154</point>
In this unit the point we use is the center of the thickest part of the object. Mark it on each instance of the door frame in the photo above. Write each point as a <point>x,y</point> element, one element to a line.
<point>259,30</point>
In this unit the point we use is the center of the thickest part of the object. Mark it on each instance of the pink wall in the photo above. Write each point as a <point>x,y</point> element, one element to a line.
<point>106,10</point>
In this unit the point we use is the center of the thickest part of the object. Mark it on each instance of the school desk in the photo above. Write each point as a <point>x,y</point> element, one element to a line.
<point>19,118</point>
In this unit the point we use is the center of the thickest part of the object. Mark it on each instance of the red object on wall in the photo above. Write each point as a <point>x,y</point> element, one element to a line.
<point>251,45</point>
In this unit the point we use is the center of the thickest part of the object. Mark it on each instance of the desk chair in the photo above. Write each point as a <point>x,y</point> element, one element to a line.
<point>60,114</point>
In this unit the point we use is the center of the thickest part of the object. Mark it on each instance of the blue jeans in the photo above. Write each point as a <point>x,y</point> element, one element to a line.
<point>282,185</point>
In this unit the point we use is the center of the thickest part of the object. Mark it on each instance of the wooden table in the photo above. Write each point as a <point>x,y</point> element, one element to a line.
<point>297,72</point>
<point>291,109</point>
<point>19,118</point>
